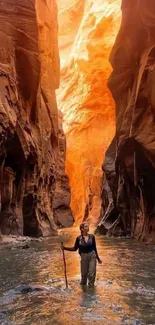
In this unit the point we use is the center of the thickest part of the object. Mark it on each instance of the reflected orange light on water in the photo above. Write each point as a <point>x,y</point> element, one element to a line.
<point>124,292</point>
<point>111,275</point>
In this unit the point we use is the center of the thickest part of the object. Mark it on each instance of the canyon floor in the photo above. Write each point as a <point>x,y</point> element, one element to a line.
<point>32,286</point>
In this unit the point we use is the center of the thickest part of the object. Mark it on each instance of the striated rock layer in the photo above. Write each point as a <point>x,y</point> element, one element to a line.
<point>62,195</point>
<point>87,30</point>
<point>130,159</point>
<point>29,130</point>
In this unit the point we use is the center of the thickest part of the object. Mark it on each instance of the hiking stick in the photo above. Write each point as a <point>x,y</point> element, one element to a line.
<point>64,266</point>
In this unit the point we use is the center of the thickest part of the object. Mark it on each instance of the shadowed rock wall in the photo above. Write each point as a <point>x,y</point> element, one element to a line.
<point>130,160</point>
<point>62,195</point>
<point>29,129</point>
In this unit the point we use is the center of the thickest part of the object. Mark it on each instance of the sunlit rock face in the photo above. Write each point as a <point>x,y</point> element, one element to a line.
<point>130,159</point>
<point>30,144</point>
<point>87,30</point>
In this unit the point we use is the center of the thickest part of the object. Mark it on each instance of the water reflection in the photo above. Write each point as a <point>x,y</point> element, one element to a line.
<point>125,291</point>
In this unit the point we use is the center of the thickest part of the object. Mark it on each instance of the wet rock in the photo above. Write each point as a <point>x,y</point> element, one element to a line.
<point>101,229</point>
<point>20,247</point>
<point>136,322</point>
<point>24,289</point>
<point>129,163</point>
<point>25,246</point>
<point>19,241</point>
<point>30,138</point>
<point>117,309</point>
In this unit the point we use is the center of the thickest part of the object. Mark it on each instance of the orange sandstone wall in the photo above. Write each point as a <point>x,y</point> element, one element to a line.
<point>87,31</point>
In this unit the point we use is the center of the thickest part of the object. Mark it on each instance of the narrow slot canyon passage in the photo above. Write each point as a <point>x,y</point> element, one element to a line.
<point>87,31</point>
<point>77,145</point>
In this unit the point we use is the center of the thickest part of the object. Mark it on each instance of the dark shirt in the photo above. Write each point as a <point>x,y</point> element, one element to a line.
<point>83,246</point>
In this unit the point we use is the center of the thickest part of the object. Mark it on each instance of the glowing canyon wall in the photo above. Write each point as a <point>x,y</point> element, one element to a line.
<point>33,185</point>
<point>130,160</point>
<point>87,31</point>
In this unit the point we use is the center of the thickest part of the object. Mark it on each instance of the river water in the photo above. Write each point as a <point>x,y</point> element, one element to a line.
<point>124,292</point>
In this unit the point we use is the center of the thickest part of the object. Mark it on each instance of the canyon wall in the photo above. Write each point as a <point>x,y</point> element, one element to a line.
<point>87,31</point>
<point>130,160</point>
<point>30,133</point>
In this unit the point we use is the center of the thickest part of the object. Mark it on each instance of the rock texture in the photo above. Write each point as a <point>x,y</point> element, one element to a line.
<point>87,30</point>
<point>29,129</point>
<point>130,160</point>
<point>62,195</point>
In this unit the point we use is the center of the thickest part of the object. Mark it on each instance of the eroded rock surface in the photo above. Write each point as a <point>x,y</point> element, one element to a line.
<point>130,160</point>
<point>87,30</point>
<point>62,195</point>
<point>29,131</point>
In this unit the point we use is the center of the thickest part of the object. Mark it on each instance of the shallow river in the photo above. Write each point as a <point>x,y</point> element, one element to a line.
<point>124,292</point>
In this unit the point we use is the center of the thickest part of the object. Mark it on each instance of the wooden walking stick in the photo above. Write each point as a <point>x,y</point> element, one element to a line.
<point>65,272</point>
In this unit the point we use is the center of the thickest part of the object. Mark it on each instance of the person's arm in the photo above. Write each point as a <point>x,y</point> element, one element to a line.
<point>72,249</point>
<point>95,249</point>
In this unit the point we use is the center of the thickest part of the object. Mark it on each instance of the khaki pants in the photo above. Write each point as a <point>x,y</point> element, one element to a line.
<point>88,268</point>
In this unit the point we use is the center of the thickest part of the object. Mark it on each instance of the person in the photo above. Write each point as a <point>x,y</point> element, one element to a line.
<point>86,244</point>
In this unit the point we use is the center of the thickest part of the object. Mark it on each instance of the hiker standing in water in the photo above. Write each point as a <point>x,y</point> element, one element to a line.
<point>86,245</point>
